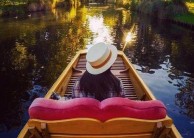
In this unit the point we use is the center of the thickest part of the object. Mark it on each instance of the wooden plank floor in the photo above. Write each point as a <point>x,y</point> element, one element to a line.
<point>116,67</point>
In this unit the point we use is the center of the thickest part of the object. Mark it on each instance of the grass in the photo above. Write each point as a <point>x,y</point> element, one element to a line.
<point>185,18</point>
<point>12,10</point>
<point>188,17</point>
<point>190,6</point>
<point>13,3</point>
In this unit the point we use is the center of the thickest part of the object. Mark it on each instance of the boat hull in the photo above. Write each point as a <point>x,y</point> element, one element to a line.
<point>135,89</point>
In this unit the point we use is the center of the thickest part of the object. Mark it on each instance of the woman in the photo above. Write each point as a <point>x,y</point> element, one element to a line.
<point>98,81</point>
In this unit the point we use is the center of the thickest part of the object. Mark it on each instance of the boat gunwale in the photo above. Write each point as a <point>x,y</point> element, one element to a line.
<point>99,127</point>
<point>145,88</point>
<point>109,120</point>
<point>63,75</point>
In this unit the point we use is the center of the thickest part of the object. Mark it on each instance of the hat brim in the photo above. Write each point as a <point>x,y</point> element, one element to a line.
<point>95,71</point>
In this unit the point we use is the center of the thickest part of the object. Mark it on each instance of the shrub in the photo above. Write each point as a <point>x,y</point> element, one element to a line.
<point>13,10</point>
<point>133,5</point>
<point>162,9</point>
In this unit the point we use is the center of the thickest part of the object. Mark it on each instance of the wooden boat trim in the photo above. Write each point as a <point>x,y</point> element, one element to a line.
<point>61,78</point>
<point>116,124</point>
<point>137,78</point>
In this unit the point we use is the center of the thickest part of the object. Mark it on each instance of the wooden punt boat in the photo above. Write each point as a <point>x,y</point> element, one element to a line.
<point>135,89</point>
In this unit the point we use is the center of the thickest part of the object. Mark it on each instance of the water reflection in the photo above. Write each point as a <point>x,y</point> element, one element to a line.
<point>150,47</point>
<point>34,51</point>
<point>100,32</point>
<point>14,64</point>
<point>154,49</point>
<point>185,98</point>
<point>159,51</point>
<point>32,59</point>
<point>183,73</point>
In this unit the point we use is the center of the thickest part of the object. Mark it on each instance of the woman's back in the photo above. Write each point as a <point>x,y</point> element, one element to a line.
<point>98,81</point>
<point>101,86</point>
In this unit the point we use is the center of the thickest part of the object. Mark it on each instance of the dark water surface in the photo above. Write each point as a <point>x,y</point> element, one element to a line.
<point>35,49</point>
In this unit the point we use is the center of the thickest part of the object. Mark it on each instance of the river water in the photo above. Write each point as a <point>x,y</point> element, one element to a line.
<point>36,48</point>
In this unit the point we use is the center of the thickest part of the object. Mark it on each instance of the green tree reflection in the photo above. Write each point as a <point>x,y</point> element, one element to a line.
<point>185,98</point>
<point>154,49</point>
<point>34,57</point>
<point>151,47</point>
<point>14,73</point>
<point>183,73</point>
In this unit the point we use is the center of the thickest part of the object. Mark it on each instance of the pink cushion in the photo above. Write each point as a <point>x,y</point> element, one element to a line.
<point>48,109</point>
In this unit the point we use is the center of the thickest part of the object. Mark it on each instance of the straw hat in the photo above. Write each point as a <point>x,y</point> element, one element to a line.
<point>100,58</point>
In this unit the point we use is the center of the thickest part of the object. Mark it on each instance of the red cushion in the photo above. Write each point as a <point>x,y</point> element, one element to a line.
<point>48,109</point>
<point>123,107</point>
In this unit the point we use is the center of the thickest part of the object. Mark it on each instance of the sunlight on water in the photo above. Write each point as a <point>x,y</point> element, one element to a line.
<point>100,31</point>
<point>129,37</point>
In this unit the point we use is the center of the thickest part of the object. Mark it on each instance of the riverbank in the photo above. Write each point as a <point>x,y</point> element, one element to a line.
<point>13,10</point>
<point>186,19</point>
<point>179,12</point>
<point>21,8</point>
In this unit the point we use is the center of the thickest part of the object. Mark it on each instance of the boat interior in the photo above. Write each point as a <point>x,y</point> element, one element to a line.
<point>116,69</point>
<point>135,89</point>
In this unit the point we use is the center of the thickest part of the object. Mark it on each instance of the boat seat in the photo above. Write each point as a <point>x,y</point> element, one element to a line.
<point>87,117</point>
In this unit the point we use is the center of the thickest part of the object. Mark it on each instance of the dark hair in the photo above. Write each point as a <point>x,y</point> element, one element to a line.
<point>99,85</point>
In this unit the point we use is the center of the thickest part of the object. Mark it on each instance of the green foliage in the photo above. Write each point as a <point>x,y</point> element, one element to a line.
<point>190,6</point>
<point>20,7</point>
<point>39,1</point>
<point>178,1</point>
<point>163,9</point>
<point>145,7</point>
<point>12,2</point>
<point>189,0</point>
<point>126,6</point>
<point>185,18</point>
<point>134,4</point>
<point>12,7</point>
<point>13,10</point>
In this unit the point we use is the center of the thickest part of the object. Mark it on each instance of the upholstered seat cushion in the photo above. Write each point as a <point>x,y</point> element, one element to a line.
<point>48,109</point>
